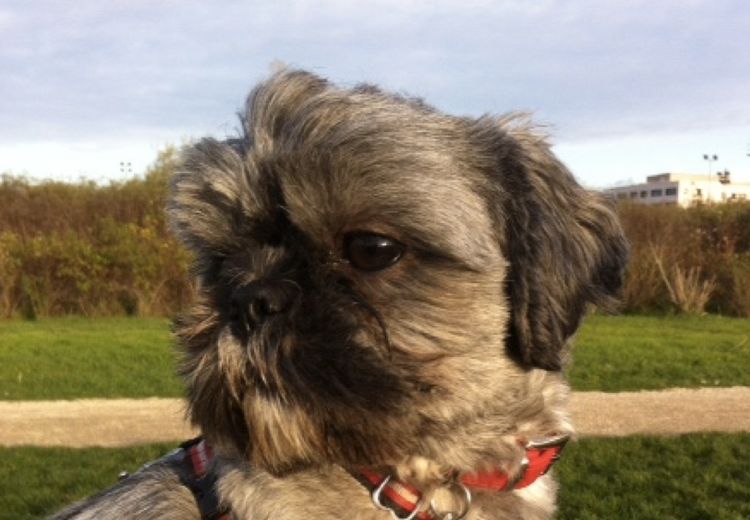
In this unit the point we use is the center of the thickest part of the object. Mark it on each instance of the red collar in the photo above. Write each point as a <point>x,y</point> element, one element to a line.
<point>405,502</point>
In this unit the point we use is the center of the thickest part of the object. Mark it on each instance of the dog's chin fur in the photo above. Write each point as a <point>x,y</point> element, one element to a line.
<point>442,363</point>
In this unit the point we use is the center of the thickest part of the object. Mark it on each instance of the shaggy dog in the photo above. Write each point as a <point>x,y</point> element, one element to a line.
<point>386,298</point>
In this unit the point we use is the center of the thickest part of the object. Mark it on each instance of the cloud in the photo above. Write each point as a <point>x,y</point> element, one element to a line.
<point>6,19</point>
<point>119,69</point>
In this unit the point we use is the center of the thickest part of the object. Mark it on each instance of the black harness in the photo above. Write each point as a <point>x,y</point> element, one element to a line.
<point>195,459</point>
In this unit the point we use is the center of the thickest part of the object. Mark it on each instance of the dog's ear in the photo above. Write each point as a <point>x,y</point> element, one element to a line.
<point>564,244</point>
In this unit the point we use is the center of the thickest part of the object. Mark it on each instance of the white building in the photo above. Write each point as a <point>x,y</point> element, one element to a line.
<point>683,189</point>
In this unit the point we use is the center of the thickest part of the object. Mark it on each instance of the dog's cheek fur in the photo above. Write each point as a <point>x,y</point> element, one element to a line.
<point>208,195</point>
<point>215,379</point>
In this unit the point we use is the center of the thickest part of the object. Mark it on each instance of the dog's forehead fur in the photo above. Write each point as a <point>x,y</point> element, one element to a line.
<point>363,160</point>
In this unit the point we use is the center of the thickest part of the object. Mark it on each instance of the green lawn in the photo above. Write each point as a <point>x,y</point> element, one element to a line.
<point>681,478</point>
<point>616,353</point>
<point>691,477</point>
<point>132,357</point>
<point>75,357</point>
<point>35,482</point>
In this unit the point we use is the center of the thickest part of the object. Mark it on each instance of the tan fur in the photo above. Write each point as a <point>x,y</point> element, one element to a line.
<point>301,367</point>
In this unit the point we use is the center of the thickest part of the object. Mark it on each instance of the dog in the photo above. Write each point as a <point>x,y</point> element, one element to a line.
<point>386,297</point>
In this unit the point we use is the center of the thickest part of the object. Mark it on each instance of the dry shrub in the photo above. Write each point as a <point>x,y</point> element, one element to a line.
<point>741,288</point>
<point>88,249</point>
<point>95,250</point>
<point>688,260</point>
<point>688,290</point>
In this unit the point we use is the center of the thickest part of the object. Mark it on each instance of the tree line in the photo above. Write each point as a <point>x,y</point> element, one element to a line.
<point>95,250</point>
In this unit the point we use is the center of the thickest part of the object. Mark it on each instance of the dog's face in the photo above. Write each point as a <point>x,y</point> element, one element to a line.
<point>373,274</point>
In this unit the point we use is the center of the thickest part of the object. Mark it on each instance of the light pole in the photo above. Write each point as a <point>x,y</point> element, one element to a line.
<point>711,158</point>
<point>125,168</point>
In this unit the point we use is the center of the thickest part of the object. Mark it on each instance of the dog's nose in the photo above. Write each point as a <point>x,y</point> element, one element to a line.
<point>257,301</point>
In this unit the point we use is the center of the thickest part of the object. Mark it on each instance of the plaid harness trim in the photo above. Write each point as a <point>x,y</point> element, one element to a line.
<point>197,457</point>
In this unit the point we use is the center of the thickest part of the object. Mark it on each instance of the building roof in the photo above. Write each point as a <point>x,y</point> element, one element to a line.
<point>688,177</point>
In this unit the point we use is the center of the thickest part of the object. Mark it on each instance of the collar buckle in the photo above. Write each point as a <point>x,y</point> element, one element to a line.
<point>376,499</point>
<point>464,495</point>
<point>540,457</point>
<point>432,513</point>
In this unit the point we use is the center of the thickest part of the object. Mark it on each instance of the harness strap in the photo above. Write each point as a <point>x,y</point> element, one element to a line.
<point>197,458</point>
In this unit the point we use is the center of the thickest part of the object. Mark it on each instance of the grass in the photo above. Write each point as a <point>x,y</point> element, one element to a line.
<point>75,357</point>
<point>690,477</point>
<point>618,353</point>
<point>133,357</point>
<point>35,482</point>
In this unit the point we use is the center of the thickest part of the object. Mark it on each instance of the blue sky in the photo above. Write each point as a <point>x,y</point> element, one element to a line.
<point>626,88</point>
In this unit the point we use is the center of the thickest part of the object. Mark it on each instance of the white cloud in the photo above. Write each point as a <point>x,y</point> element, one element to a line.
<point>136,69</point>
<point>97,160</point>
<point>6,19</point>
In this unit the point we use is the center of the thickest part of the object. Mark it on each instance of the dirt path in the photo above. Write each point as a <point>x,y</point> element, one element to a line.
<point>121,422</point>
<point>668,412</point>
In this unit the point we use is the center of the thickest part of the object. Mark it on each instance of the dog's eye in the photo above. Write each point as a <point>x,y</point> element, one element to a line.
<point>371,252</point>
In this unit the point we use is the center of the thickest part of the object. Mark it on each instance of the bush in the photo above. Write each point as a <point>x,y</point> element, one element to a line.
<point>106,250</point>
<point>88,249</point>
<point>690,260</point>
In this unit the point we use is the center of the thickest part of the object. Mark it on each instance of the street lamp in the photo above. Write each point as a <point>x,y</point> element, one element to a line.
<point>125,168</point>
<point>711,158</point>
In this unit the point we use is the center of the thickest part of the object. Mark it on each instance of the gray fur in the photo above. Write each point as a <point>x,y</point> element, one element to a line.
<point>443,362</point>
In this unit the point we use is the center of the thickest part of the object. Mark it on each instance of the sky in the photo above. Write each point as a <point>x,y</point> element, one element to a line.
<point>625,88</point>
